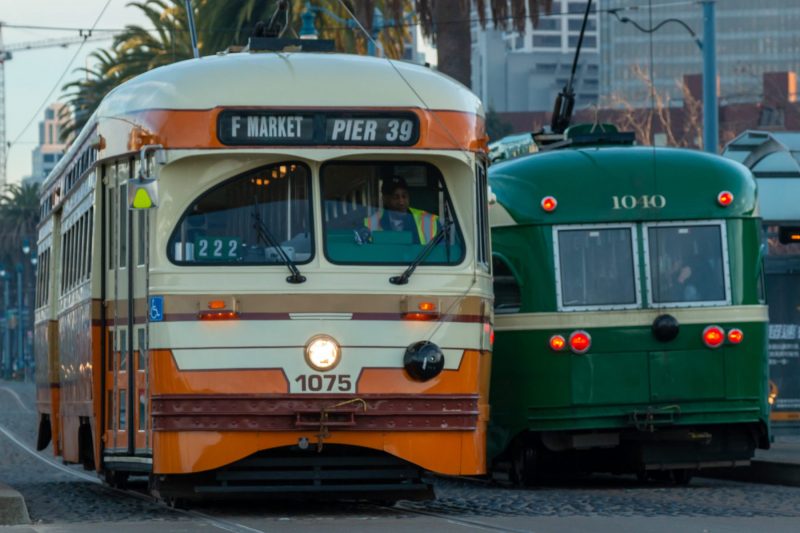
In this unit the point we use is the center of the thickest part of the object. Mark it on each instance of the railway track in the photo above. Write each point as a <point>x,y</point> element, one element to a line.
<point>215,521</point>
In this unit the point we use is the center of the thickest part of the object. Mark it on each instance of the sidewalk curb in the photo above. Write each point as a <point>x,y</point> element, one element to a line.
<point>760,471</point>
<point>12,507</point>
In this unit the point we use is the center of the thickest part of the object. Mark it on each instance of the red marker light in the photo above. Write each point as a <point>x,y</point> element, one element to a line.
<point>580,341</point>
<point>713,336</point>
<point>218,315</point>
<point>549,203</point>
<point>557,343</point>
<point>735,336</point>
<point>725,198</point>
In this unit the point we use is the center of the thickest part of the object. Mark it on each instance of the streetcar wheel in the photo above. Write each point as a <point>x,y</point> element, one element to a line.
<point>523,465</point>
<point>681,476</point>
<point>116,479</point>
<point>177,503</point>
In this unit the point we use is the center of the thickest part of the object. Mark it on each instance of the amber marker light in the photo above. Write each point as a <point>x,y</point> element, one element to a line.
<point>549,203</point>
<point>713,336</point>
<point>216,304</point>
<point>557,343</point>
<point>427,311</point>
<point>735,336</point>
<point>580,341</point>
<point>427,306</point>
<point>725,198</point>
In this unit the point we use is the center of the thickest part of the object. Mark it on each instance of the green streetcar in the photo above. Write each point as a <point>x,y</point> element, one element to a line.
<point>631,327</point>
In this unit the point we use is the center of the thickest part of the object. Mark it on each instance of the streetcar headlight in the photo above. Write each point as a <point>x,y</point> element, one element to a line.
<point>323,353</point>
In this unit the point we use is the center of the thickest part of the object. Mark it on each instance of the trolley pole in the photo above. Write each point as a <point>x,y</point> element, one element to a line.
<point>710,110</point>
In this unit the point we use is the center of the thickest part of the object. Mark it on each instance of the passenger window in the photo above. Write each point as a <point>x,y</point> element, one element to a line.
<point>243,220</point>
<point>386,213</point>
<point>596,267</point>
<point>687,263</point>
<point>507,297</point>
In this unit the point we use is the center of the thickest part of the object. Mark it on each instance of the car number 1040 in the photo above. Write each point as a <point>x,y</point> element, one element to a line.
<point>646,201</point>
<point>324,382</point>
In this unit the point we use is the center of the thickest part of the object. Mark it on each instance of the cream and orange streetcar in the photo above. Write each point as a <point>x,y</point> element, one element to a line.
<point>270,272</point>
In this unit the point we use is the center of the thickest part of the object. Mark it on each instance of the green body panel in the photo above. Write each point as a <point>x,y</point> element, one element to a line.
<point>627,375</point>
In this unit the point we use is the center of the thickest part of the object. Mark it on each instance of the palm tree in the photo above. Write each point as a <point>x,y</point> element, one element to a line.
<point>447,24</point>
<point>19,216</point>
<point>219,25</point>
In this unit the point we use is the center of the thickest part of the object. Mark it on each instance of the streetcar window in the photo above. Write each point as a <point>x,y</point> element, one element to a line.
<point>507,298</point>
<point>235,222</point>
<point>687,263</point>
<point>385,213</point>
<point>596,267</point>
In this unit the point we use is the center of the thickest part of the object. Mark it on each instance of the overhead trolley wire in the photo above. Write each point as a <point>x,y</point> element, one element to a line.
<point>60,78</point>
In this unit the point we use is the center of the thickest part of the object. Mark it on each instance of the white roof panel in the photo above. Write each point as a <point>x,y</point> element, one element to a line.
<point>290,80</point>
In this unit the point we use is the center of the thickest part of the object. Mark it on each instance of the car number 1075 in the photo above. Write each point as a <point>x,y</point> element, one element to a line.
<point>324,382</point>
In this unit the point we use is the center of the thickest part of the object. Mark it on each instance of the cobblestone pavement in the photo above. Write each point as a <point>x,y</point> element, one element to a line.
<point>58,501</point>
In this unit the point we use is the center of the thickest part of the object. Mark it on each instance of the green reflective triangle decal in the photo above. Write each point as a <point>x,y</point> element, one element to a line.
<point>142,200</point>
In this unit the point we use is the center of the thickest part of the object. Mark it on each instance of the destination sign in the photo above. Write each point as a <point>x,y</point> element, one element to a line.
<point>269,128</point>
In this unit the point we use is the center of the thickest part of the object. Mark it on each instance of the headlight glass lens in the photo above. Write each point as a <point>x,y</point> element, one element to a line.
<point>322,353</point>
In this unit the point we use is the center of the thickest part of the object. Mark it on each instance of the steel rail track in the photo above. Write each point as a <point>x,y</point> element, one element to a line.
<point>218,523</point>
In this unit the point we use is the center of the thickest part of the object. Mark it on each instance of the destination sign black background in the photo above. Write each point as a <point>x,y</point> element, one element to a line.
<point>321,128</point>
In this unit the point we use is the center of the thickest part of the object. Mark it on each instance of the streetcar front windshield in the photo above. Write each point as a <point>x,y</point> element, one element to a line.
<point>687,263</point>
<point>596,267</point>
<point>243,220</point>
<point>386,213</point>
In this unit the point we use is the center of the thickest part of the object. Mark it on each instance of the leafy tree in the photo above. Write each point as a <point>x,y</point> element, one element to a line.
<point>219,25</point>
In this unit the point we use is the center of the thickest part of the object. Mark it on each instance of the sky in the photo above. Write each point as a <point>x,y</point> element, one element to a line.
<point>31,74</point>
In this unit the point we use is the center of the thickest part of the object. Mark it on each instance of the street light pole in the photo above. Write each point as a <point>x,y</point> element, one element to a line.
<point>709,50</point>
<point>20,321</point>
<point>710,111</point>
<point>6,339</point>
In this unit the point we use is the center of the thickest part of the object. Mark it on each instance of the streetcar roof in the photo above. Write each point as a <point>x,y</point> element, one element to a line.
<point>289,80</point>
<point>584,181</point>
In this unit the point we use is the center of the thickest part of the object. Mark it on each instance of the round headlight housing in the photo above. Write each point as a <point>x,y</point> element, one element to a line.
<point>323,353</point>
<point>423,360</point>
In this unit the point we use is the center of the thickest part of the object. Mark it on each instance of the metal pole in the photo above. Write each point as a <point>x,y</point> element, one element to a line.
<point>710,111</point>
<point>20,321</point>
<point>192,30</point>
<point>6,339</point>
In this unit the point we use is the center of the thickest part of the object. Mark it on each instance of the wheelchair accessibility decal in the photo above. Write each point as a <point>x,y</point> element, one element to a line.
<point>156,308</point>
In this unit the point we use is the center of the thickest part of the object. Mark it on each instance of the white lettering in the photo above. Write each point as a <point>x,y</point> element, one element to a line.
<point>358,128</point>
<point>369,130</point>
<point>273,126</point>
<point>252,126</point>
<point>290,127</point>
<point>281,126</point>
<point>299,126</point>
<point>338,127</point>
<point>235,125</point>
<point>262,132</point>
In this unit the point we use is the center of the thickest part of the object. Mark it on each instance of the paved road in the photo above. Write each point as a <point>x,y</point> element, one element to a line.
<point>66,499</point>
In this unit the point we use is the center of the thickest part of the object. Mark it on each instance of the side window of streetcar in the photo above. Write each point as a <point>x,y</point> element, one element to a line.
<point>507,295</point>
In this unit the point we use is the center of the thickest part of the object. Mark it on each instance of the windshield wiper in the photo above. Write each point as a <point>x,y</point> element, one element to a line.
<point>267,237</point>
<point>402,279</point>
